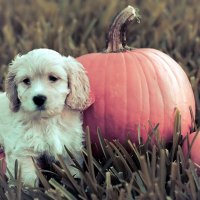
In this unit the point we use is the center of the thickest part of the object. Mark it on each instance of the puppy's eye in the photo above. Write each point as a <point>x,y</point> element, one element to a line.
<point>53,78</point>
<point>27,81</point>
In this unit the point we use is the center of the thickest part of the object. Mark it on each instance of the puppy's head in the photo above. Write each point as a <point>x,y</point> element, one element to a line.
<point>44,82</point>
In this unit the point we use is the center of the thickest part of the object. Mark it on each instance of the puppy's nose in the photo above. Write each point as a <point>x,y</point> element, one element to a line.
<point>39,100</point>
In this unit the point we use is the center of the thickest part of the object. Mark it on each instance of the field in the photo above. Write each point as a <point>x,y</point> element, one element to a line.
<point>78,27</point>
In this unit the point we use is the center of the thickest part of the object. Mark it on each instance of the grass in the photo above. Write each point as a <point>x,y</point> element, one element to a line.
<point>78,27</point>
<point>142,171</point>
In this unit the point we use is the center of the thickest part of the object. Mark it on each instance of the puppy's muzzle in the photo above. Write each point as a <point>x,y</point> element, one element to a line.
<point>39,101</point>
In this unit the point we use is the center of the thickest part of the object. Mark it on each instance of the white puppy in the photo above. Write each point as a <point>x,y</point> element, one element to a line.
<point>40,110</point>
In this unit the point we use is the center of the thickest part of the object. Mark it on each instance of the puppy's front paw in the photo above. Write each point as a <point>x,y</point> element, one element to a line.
<point>25,166</point>
<point>31,180</point>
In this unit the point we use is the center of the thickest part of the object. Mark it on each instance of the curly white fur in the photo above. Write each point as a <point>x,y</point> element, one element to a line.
<point>28,129</point>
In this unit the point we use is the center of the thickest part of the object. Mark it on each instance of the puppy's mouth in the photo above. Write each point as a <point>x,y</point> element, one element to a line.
<point>41,108</point>
<point>41,115</point>
<point>44,113</point>
<point>41,112</point>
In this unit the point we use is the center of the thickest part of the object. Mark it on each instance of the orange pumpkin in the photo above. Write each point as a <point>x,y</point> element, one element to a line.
<point>193,142</point>
<point>2,163</point>
<point>134,86</point>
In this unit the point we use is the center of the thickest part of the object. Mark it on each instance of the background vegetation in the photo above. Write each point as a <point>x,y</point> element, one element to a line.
<point>77,27</point>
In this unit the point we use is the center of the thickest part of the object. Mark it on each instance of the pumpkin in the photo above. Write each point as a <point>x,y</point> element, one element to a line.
<point>2,162</point>
<point>133,87</point>
<point>193,142</point>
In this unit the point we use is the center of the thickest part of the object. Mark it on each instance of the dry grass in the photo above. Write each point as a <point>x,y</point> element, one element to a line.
<point>77,27</point>
<point>141,172</point>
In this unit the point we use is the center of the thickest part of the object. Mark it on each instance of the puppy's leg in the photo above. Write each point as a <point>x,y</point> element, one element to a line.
<point>28,173</point>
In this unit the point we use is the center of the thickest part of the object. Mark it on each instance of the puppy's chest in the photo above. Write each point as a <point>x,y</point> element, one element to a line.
<point>47,138</point>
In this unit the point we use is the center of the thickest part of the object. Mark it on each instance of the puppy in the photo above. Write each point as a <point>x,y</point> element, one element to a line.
<point>41,109</point>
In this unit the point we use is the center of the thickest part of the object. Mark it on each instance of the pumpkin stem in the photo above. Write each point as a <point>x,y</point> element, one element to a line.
<point>116,38</point>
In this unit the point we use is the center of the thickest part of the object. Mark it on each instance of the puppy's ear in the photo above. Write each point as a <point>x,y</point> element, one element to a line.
<point>11,87</point>
<point>79,96</point>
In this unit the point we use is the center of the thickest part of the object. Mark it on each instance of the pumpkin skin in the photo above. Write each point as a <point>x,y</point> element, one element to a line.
<point>135,86</point>
<point>194,152</point>
<point>132,88</point>
<point>2,162</point>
